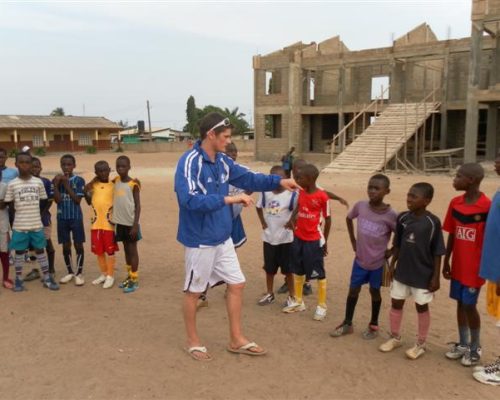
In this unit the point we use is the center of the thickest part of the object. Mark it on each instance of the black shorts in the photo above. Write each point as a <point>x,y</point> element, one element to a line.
<point>122,233</point>
<point>307,259</point>
<point>277,257</point>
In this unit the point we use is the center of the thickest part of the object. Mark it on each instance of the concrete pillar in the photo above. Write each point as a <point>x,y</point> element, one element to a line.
<point>15,137</point>
<point>45,142</point>
<point>491,131</point>
<point>443,139</point>
<point>71,138</point>
<point>294,108</point>
<point>340,104</point>
<point>472,116</point>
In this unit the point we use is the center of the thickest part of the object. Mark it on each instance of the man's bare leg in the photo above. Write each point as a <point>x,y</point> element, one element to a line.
<point>234,302</point>
<point>189,312</point>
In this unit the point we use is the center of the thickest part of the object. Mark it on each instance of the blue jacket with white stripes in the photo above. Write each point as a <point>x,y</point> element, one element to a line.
<point>201,185</point>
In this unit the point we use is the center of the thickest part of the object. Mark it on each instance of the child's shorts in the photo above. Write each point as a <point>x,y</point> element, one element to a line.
<point>464,294</point>
<point>307,259</point>
<point>24,240</point>
<point>70,227</point>
<point>102,241</point>
<point>360,276</point>
<point>47,231</point>
<point>492,300</point>
<point>277,257</point>
<point>4,242</point>
<point>122,233</point>
<point>400,291</point>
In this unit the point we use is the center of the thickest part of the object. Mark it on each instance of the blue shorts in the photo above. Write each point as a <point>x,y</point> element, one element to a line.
<point>24,240</point>
<point>307,259</point>
<point>360,276</point>
<point>68,227</point>
<point>463,294</point>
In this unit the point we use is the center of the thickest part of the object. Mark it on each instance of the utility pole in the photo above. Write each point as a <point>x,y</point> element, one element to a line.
<point>149,119</point>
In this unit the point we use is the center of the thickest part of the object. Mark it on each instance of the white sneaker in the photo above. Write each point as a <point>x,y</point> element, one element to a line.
<point>319,314</point>
<point>456,351</point>
<point>416,351</point>
<point>391,344</point>
<point>99,280</point>
<point>109,282</point>
<point>294,306</point>
<point>79,280</point>
<point>489,375</point>
<point>66,278</point>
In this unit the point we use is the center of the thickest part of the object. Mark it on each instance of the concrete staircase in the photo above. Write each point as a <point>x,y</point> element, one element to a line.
<point>368,152</point>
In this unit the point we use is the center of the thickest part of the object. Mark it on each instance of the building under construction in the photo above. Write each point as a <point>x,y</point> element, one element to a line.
<point>405,106</point>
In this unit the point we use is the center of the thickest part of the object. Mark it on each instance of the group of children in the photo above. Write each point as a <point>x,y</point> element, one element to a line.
<point>25,220</point>
<point>295,235</point>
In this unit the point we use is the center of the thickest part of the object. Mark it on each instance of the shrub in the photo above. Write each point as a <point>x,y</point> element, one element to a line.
<point>40,152</point>
<point>90,150</point>
<point>119,149</point>
<point>13,153</point>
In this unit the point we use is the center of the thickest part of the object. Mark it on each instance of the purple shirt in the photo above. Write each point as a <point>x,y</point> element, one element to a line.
<point>374,230</point>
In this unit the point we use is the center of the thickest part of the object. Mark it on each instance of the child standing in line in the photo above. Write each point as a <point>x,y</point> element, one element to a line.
<point>309,244</point>
<point>490,270</point>
<point>36,169</point>
<point>376,222</point>
<point>297,164</point>
<point>274,210</point>
<point>418,248</point>
<point>465,223</point>
<point>99,195</point>
<point>4,239</point>
<point>126,213</point>
<point>25,192</point>
<point>68,193</point>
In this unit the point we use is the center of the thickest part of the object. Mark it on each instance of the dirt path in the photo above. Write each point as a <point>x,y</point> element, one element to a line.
<point>90,343</point>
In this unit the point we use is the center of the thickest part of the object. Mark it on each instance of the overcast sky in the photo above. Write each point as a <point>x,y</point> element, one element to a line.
<point>113,56</point>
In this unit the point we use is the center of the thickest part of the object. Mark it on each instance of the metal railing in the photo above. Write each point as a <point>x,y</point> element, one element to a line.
<point>340,138</point>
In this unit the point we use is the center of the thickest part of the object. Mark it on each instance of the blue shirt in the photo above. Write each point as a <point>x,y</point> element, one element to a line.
<point>8,174</point>
<point>67,208</point>
<point>49,189</point>
<point>201,185</point>
<point>490,262</point>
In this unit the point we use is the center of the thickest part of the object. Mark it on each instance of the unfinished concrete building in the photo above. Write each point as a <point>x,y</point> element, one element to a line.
<point>391,106</point>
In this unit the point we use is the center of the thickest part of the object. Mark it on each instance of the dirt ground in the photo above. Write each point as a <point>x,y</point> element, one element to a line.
<point>90,343</point>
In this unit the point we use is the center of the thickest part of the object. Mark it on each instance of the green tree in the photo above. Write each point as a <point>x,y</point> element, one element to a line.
<point>192,117</point>
<point>237,119</point>
<point>57,112</point>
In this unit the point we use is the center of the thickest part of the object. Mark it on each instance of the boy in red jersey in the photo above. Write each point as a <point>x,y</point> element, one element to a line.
<point>465,222</point>
<point>309,244</point>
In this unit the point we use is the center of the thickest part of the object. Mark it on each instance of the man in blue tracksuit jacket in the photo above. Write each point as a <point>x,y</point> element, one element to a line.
<point>202,183</point>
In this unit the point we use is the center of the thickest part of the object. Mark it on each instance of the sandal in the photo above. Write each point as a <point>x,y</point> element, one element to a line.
<point>32,275</point>
<point>245,349</point>
<point>199,349</point>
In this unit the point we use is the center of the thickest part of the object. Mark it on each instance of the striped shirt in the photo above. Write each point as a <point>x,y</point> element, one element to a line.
<point>26,195</point>
<point>67,208</point>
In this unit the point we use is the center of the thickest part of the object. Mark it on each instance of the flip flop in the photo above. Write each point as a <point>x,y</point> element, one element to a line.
<point>245,349</point>
<point>199,349</point>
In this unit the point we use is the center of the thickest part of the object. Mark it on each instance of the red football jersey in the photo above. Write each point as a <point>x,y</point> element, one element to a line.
<point>467,222</point>
<point>311,207</point>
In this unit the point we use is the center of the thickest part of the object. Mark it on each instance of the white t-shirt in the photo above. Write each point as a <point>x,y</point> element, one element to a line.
<point>4,214</point>
<point>26,195</point>
<point>277,210</point>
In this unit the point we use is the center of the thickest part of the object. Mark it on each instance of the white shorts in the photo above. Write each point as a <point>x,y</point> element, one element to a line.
<point>400,291</point>
<point>207,266</point>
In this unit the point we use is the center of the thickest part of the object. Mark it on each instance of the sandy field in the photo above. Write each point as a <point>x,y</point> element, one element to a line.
<point>90,343</point>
